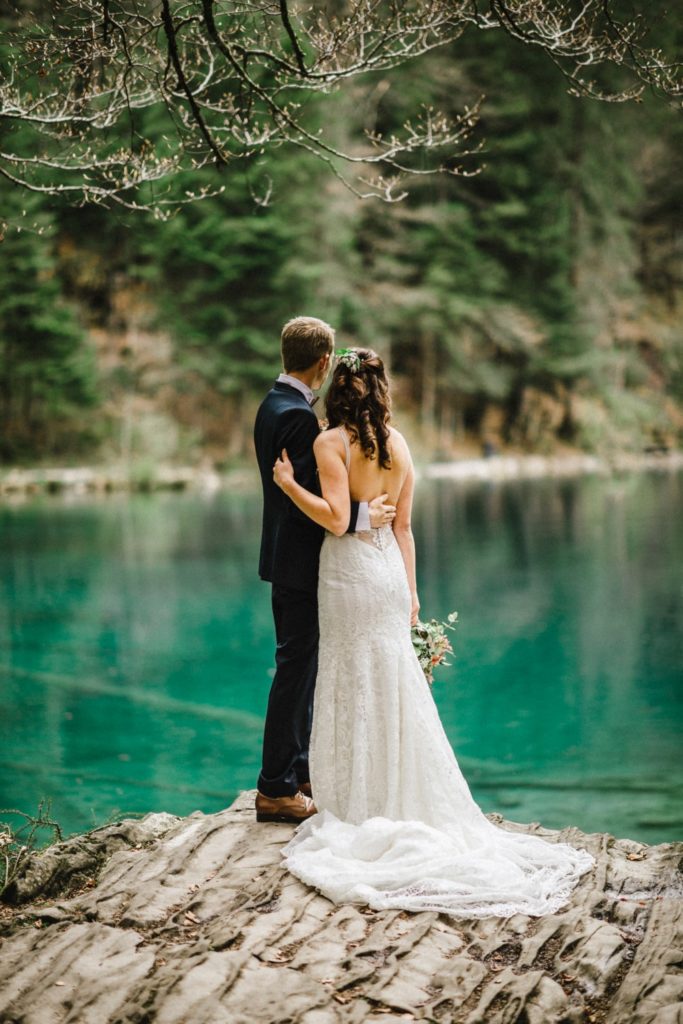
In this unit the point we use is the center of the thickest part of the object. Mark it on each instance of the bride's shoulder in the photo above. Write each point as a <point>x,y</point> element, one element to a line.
<point>328,438</point>
<point>399,445</point>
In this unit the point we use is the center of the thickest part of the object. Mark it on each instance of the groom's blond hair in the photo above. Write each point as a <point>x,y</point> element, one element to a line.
<point>305,340</point>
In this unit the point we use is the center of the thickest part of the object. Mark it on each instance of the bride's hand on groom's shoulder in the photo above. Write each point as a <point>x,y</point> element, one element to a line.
<point>283,471</point>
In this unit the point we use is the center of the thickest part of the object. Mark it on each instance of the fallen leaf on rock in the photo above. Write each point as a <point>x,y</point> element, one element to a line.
<point>277,956</point>
<point>192,918</point>
<point>635,856</point>
<point>60,983</point>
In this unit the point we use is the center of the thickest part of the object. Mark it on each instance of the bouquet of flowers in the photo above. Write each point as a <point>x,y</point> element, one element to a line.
<point>431,643</point>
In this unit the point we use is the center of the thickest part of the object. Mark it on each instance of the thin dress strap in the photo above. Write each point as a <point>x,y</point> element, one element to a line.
<point>347,447</point>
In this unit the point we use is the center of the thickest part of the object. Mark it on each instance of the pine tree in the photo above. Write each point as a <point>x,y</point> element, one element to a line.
<point>47,374</point>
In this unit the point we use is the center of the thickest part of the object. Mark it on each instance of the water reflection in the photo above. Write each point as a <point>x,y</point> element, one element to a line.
<point>136,649</point>
<point>565,701</point>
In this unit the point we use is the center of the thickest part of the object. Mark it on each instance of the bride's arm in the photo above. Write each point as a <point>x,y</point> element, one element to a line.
<point>333,510</point>
<point>404,536</point>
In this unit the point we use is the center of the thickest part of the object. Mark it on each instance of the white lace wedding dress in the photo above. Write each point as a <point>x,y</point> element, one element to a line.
<point>396,825</point>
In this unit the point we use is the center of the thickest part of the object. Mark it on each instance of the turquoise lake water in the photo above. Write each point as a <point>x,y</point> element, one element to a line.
<point>136,650</point>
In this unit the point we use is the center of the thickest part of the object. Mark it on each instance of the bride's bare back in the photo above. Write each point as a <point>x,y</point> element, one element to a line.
<point>367,478</point>
<point>365,481</point>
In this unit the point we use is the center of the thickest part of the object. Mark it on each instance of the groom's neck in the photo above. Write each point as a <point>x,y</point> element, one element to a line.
<point>307,377</point>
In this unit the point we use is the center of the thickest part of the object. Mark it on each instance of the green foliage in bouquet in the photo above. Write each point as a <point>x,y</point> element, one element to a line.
<point>432,644</point>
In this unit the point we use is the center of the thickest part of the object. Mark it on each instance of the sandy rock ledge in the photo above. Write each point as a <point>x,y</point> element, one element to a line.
<point>193,921</point>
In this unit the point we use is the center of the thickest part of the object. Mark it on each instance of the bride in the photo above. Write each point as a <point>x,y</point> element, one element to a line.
<point>396,825</point>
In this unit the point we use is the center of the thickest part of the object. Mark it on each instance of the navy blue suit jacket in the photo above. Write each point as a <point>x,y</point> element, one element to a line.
<point>290,541</point>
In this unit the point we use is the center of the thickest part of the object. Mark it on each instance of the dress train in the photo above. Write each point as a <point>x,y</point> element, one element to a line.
<point>397,826</point>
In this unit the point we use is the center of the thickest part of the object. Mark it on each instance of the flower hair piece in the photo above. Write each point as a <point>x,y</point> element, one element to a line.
<point>350,358</point>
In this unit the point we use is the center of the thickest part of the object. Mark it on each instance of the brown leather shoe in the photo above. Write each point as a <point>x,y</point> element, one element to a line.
<point>305,788</point>
<point>291,809</point>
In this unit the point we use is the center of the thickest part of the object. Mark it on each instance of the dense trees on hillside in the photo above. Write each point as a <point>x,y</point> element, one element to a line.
<point>533,302</point>
<point>47,373</point>
<point>527,279</point>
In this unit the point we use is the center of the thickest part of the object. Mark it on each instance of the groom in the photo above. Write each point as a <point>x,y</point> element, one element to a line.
<point>290,550</point>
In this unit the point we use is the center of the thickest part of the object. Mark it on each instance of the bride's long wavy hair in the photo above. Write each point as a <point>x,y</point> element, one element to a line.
<point>358,398</point>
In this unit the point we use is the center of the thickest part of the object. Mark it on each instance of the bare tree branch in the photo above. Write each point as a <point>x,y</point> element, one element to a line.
<point>284,14</point>
<point>232,79</point>
<point>170,31</point>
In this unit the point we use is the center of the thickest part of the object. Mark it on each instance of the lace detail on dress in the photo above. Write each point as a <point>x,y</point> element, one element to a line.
<point>379,536</point>
<point>397,825</point>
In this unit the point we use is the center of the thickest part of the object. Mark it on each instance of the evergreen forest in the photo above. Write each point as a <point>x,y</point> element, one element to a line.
<point>530,304</point>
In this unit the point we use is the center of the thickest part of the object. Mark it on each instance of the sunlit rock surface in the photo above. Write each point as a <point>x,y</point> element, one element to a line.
<point>179,920</point>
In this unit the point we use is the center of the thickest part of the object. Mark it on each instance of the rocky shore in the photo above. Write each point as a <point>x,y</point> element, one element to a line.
<point>511,467</point>
<point>21,483</point>
<point>193,921</point>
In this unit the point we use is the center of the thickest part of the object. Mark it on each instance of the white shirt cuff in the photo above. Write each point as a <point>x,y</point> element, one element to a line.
<point>363,521</point>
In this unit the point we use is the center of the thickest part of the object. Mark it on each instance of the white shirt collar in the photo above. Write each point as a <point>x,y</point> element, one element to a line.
<point>294,382</point>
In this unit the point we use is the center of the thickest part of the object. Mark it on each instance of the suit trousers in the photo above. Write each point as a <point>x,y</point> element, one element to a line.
<point>290,703</point>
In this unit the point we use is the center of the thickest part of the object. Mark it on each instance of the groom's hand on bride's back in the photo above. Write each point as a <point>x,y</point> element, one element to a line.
<point>380,514</point>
